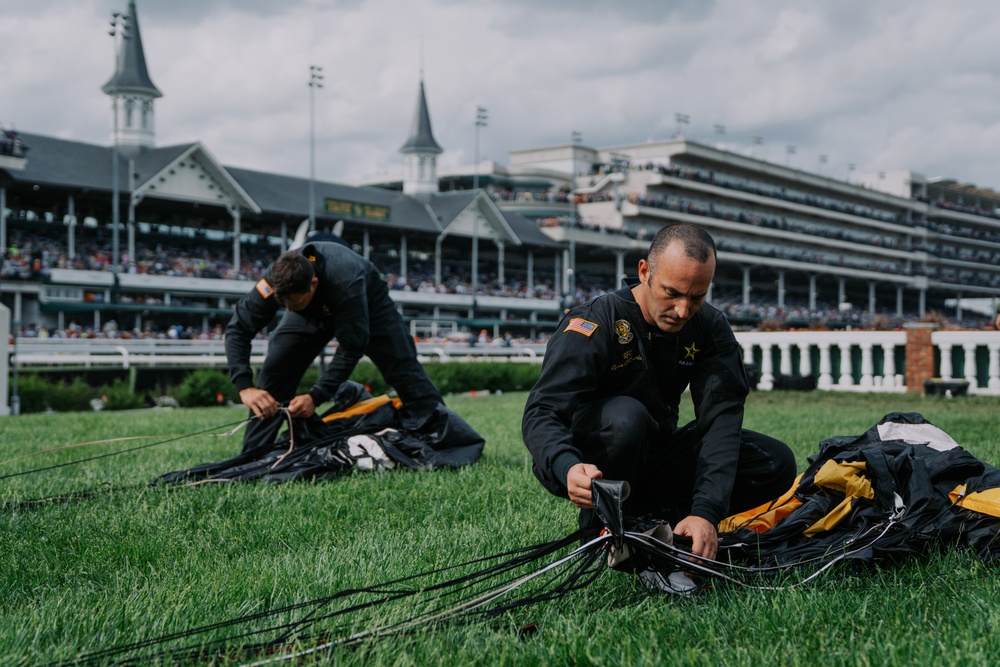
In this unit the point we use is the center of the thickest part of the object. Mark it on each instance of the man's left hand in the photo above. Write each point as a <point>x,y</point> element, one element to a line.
<point>302,406</point>
<point>704,538</point>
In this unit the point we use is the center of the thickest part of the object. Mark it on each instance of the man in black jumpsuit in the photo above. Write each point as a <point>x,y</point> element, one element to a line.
<point>606,404</point>
<point>328,291</point>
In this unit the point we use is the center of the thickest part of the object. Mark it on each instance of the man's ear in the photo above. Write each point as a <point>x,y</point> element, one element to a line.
<point>643,271</point>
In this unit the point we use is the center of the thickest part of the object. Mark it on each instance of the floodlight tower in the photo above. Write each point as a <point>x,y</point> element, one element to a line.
<point>315,81</point>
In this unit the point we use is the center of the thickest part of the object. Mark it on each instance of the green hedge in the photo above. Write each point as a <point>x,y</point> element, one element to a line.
<point>39,394</point>
<point>207,387</point>
<point>450,377</point>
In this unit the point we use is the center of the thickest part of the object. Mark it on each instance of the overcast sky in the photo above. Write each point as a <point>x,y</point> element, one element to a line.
<point>884,85</point>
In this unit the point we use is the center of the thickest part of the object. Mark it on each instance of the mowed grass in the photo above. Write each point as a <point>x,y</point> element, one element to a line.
<point>133,562</point>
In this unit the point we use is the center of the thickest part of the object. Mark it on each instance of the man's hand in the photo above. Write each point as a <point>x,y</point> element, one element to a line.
<point>578,484</point>
<point>260,401</point>
<point>302,406</point>
<point>704,538</point>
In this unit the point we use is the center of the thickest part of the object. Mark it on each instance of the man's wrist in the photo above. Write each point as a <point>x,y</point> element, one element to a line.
<point>562,464</point>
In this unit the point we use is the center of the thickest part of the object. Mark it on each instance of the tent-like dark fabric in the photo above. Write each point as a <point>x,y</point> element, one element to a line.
<point>896,489</point>
<point>358,432</point>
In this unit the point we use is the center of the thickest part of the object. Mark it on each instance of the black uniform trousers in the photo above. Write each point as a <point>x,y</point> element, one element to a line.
<point>297,341</point>
<point>619,436</point>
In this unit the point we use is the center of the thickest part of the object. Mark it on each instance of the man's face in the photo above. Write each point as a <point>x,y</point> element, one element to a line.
<point>674,288</point>
<point>297,302</point>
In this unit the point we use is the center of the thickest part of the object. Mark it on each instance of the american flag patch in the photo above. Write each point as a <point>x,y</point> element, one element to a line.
<point>580,325</point>
<point>264,289</point>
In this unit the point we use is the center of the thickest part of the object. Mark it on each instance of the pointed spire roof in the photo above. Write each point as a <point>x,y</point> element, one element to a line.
<point>421,137</point>
<point>131,75</point>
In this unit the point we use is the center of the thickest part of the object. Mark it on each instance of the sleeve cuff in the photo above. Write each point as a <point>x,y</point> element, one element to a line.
<point>561,466</point>
<point>242,383</point>
<point>706,511</point>
<point>317,397</point>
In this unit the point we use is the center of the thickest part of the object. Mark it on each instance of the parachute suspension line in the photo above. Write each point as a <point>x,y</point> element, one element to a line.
<point>593,548</point>
<point>76,444</point>
<point>291,437</point>
<point>121,451</point>
<point>353,604</point>
<point>718,569</point>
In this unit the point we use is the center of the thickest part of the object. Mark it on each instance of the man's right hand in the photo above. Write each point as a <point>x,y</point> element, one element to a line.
<point>260,401</point>
<point>578,484</point>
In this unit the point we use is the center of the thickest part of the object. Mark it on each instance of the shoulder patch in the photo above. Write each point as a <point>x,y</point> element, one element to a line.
<point>582,326</point>
<point>264,288</point>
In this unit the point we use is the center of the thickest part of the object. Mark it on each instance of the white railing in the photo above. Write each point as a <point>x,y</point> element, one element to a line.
<point>124,353</point>
<point>871,361</point>
<point>972,344</point>
<point>153,353</point>
<point>778,350</point>
<point>863,361</point>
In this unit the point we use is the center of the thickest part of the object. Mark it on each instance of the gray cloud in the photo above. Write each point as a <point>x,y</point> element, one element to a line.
<point>881,85</point>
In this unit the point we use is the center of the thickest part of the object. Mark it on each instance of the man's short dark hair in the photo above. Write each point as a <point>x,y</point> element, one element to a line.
<point>291,274</point>
<point>698,244</point>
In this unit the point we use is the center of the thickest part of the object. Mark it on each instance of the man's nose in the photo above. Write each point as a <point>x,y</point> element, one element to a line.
<point>681,307</point>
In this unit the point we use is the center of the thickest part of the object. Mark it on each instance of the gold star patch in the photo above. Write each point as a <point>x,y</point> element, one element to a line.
<point>689,352</point>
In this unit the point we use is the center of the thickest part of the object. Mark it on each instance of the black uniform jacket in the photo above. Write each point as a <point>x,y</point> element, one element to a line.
<point>339,308</point>
<point>604,348</point>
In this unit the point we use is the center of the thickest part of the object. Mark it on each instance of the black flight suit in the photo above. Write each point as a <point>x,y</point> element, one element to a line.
<point>351,304</point>
<point>609,394</point>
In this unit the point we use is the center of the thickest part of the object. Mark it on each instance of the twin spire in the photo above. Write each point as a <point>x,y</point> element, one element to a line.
<point>133,92</point>
<point>131,89</point>
<point>421,151</point>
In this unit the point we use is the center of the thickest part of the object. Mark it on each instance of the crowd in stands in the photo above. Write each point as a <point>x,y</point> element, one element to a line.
<point>33,256</point>
<point>733,182</point>
<point>965,208</point>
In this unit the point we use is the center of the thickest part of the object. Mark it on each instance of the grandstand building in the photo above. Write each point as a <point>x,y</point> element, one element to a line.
<point>151,237</point>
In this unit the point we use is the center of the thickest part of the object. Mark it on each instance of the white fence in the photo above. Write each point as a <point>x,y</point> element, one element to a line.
<point>157,353</point>
<point>867,361</point>
<point>871,361</point>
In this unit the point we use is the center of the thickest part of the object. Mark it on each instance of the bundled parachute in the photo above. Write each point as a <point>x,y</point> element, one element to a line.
<point>359,432</point>
<point>903,477</point>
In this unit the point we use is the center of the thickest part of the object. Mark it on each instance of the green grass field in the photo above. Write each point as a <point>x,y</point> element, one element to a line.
<point>136,562</point>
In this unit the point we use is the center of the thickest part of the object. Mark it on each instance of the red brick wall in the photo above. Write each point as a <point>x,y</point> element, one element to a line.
<point>919,355</point>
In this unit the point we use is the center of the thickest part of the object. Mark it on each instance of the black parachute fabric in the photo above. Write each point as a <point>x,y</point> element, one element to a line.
<point>893,491</point>
<point>360,432</point>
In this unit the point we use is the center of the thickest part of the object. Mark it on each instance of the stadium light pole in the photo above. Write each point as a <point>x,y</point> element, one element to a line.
<point>315,81</point>
<point>822,161</point>
<point>575,139</point>
<point>682,119</point>
<point>789,152</point>
<point>719,131</point>
<point>850,170</point>
<point>755,140</point>
<point>482,116</point>
<point>119,28</point>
